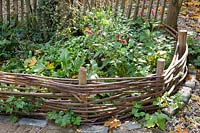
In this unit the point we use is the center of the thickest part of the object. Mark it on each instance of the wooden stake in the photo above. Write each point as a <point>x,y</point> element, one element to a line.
<point>160,67</point>
<point>82,76</point>
<point>15,3</point>
<point>8,10</point>
<point>182,38</point>
<point>1,11</point>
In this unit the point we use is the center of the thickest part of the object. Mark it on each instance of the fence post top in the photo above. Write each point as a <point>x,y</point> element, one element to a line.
<point>183,31</point>
<point>161,60</point>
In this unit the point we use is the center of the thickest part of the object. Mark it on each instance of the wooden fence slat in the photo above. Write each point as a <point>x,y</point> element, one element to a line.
<point>163,10</point>
<point>116,8</point>
<point>136,9</point>
<point>123,6</point>
<point>8,10</point>
<point>34,6</point>
<point>182,40</point>
<point>15,3</point>
<point>22,9</point>
<point>130,5</point>
<point>28,12</point>
<point>1,11</point>
<point>143,6</point>
<point>150,9</point>
<point>157,6</point>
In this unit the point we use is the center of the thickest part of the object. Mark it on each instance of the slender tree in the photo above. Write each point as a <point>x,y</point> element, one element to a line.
<point>173,11</point>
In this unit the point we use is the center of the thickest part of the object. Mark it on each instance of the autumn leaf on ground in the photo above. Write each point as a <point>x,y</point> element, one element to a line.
<point>198,30</point>
<point>196,98</point>
<point>189,77</point>
<point>112,123</point>
<point>32,62</point>
<point>180,130</point>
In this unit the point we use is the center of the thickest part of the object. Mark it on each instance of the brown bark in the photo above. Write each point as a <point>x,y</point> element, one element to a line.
<point>173,11</point>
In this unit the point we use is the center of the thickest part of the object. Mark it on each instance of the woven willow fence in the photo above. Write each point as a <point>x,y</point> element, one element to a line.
<point>78,94</point>
<point>17,10</point>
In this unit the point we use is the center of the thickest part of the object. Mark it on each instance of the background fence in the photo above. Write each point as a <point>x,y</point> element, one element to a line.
<point>35,11</point>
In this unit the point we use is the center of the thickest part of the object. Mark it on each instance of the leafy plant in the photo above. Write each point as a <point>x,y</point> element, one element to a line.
<point>175,101</point>
<point>150,120</point>
<point>156,119</point>
<point>13,105</point>
<point>64,118</point>
<point>194,50</point>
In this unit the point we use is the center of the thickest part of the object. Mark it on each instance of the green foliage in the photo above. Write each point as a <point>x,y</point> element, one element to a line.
<point>194,50</point>
<point>13,105</point>
<point>64,118</point>
<point>151,120</point>
<point>135,44</point>
<point>156,119</point>
<point>175,101</point>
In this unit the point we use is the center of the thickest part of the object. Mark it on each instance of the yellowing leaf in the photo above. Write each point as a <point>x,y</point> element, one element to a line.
<point>38,51</point>
<point>198,30</point>
<point>50,65</point>
<point>87,28</point>
<point>32,62</point>
<point>183,13</point>
<point>74,76</point>
<point>190,3</point>
<point>112,123</point>
<point>196,98</point>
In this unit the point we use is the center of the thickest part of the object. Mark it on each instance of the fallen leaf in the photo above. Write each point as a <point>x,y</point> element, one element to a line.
<point>178,129</point>
<point>190,3</point>
<point>112,123</point>
<point>195,98</point>
<point>74,76</point>
<point>32,62</point>
<point>198,30</point>
<point>185,130</point>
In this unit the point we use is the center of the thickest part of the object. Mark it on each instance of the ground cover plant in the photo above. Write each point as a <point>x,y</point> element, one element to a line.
<point>107,46</point>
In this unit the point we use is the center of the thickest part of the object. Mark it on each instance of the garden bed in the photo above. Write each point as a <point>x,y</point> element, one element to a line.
<point>126,59</point>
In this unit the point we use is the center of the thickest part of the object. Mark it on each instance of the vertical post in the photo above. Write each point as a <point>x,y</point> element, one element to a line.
<point>150,9</point>
<point>160,69</point>
<point>15,3</point>
<point>182,38</point>
<point>163,11</point>
<point>82,76</point>
<point>1,11</point>
<point>8,10</point>
<point>123,2</point>
<point>136,9</point>
<point>116,8</point>
<point>157,6</point>
<point>28,12</point>
<point>22,9</point>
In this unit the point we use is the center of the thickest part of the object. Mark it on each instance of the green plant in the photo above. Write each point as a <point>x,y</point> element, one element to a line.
<point>156,119</point>
<point>175,101</point>
<point>13,105</point>
<point>64,118</point>
<point>150,120</point>
<point>194,50</point>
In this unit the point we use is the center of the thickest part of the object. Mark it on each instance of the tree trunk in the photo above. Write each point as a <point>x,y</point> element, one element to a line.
<point>173,11</point>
